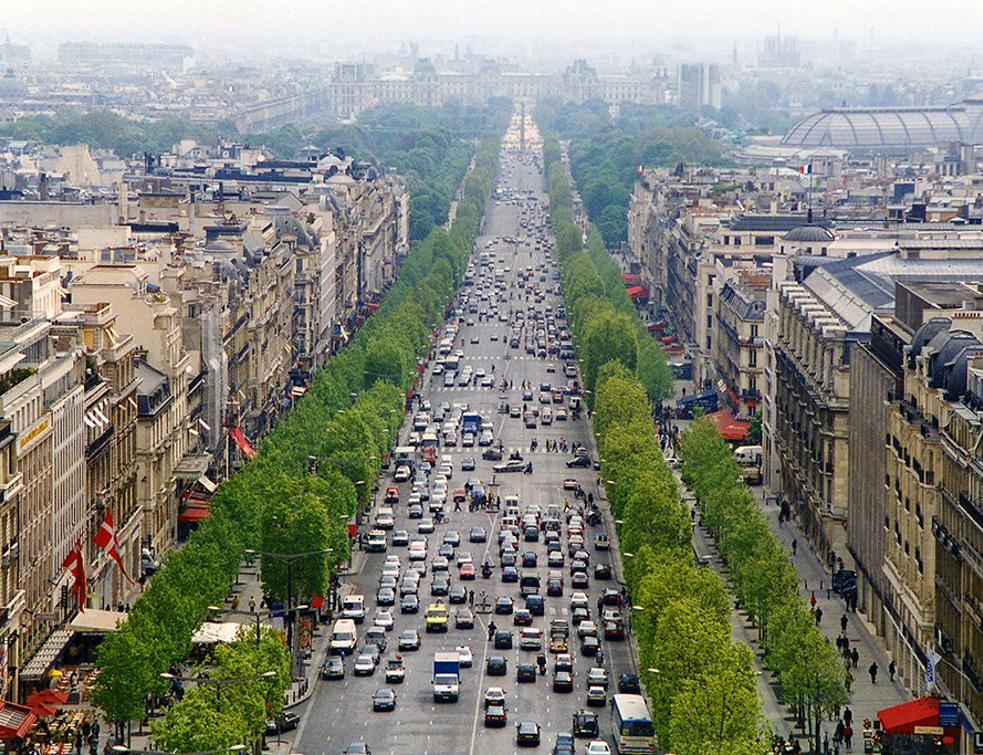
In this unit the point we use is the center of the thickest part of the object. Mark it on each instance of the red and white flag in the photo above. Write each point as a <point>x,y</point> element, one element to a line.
<point>75,563</point>
<point>106,539</point>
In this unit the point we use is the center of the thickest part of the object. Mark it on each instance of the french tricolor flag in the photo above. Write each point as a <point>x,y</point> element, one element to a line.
<point>805,168</point>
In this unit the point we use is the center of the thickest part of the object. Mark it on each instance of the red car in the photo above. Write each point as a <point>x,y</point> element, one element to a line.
<point>392,494</point>
<point>466,571</point>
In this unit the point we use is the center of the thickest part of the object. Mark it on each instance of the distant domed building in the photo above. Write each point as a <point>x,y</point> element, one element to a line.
<point>890,129</point>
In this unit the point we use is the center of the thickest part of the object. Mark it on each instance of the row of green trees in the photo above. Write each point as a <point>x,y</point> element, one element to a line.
<point>345,424</point>
<point>233,705</point>
<point>602,317</point>
<point>605,152</point>
<point>765,582</point>
<point>701,685</point>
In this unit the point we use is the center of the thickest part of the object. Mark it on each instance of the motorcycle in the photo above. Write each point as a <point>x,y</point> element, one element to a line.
<point>486,571</point>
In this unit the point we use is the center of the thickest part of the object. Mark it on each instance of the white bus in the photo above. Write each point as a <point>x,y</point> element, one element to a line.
<point>633,730</point>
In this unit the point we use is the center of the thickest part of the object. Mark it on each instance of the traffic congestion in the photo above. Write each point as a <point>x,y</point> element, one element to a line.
<point>487,615</point>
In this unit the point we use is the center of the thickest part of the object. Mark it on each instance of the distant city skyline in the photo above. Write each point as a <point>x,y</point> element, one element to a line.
<point>547,27</point>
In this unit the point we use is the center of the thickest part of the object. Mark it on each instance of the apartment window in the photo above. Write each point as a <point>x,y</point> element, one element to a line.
<point>887,523</point>
<point>752,383</point>
<point>708,343</point>
<point>754,331</point>
<point>764,240</point>
<point>753,358</point>
<point>737,241</point>
<point>907,504</point>
<point>907,548</point>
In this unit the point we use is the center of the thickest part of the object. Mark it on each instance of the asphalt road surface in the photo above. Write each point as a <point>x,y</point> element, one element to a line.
<point>340,712</point>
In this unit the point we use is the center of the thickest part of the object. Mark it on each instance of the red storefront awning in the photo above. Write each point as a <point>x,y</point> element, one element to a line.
<point>729,427</point>
<point>194,514</point>
<point>242,441</point>
<point>631,279</point>
<point>15,720</point>
<point>638,292</point>
<point>903,718</point>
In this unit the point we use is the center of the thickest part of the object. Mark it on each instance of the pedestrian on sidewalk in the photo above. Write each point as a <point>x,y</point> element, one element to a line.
<point>892,669</point>
<point>872,670</point>
<point>847,717</point>
<point>848,737</point>
<point>819,616</point>
<point>855,657</point>
<point>843,623</point>
<point>795,546</point>
<point>252,604</point>
<point>812,600</point>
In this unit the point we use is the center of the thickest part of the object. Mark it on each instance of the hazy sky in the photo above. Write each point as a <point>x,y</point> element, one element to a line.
<point>551,22</point>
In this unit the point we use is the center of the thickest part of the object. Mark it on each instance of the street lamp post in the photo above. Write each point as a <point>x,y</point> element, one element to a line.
<point>288,559</point>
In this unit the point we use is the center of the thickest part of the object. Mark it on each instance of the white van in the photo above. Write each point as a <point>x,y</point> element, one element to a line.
<point>343,637</point>
<point>353,607</point>
<point>749,456</point>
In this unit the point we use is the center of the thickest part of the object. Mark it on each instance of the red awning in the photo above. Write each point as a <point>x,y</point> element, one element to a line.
<point>638,292</point>
<point>903,718</point>
<point>371,307</point>
<point>242,441</point>
<point>15,720</point>
<point>194,514</point>
<point>631,279</point>
<point>729,427</point>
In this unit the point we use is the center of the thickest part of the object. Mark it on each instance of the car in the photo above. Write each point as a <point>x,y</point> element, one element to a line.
<point>563,745</point>
<point>495,716</point>
<point>357,748</point>
<point>425,526</point>
<point>384,700</point>
<point>628,684</point>
<point>536,605</point>
<point>467,464</point>
<point>527,734</point>
<point>579,579</point>
<point>554,587</point>
<point>529,560</point>
<point>447,551</point>
<point>457,595</point>
<point>585,724</point>
<point>384,619</point>
<point>478,535</point>
<point>400,538</point>
<point>570,484</point>
<point>503,605</point>
<point>333,668</point>
<point>581,462</point>
<point>503,639</point>
<point>587,629</point>
<point>286,722</point>
<point>364,665</point>
<point>597,676</point>
<point>596,697</point>
<point>463,618</point>
<point>602,571</point>
<point>525,673</point>
<point>562,681</point>
<point>598,747</point>
<point>465,656</point>
<point>555,559</point>
<point>510,574</point>
<point>414,511</point>
<point>531,638</point>
<point>602,543</point>
<point>402,473</point>
<point>439,585</point>
<point>409,603</point>
<point>496,665</point>
<point>385,596</point>
<point>589,644</point>
<point>466,571</point>
<point>409,639</point>
<point>522,618</point>
<point>491,454</point>
<point>513,465</point>
<point>494,696</point>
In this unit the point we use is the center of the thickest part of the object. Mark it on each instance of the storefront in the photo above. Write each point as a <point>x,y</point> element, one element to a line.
<point>924,726</point>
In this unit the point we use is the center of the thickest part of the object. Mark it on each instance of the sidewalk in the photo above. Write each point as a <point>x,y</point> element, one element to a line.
<point>866,698</point>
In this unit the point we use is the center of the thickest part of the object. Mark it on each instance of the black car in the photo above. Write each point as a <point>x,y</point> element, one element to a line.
<point>503,605</point>
<point>529,560</point>
<point>503,639</point>
<point>628,685</point>
<point>585,724</point>
<point>467,464</point>
<point>525,672</point>
<point>527,734</point>
<point>562,681</point>
<point>384,699</point>
<point>495,716</point>
<point>563,744</point>
<point>409,604</point>
<point>286,722</point>
<point>579,462</point>
<point>440,586</point>
<point>522,618</point>
<point>491,454</point>
<point>510,574</point>
<point>477,535</point>
<point>458,594</point>
<point>602,571</point>
<point>536,605</point>
<point>496,665</point>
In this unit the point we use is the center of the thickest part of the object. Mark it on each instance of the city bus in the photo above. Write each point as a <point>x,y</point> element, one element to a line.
<point>633,730</point>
